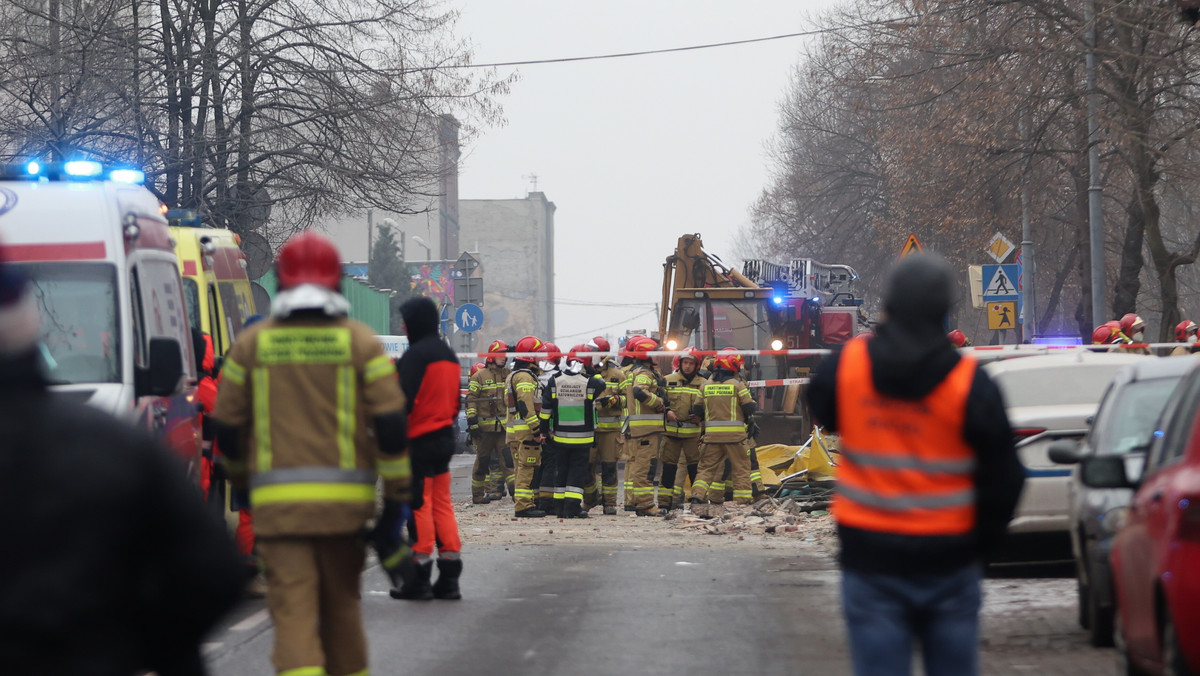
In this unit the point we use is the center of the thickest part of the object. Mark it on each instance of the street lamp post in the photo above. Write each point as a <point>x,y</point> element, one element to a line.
<point>421,243</point>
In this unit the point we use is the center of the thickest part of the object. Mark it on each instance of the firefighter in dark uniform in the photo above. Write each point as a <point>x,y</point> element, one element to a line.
<point>568,410</point>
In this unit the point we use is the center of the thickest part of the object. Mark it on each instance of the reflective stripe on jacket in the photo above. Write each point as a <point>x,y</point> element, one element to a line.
<point>724,420</point>
<point>906,467</point>
<point>645,417</point>
<point>521,388</point>
<point>608,418</point>
<point>485,398</point>
<point>305,390</point>
<point>568,409</point>
<point>683,392</point>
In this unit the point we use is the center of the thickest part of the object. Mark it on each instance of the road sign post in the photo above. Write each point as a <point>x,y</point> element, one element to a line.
<point>1002,296</point>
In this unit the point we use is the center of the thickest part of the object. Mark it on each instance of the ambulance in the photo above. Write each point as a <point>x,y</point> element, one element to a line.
<point>216,289</point>
<point>95,245</point>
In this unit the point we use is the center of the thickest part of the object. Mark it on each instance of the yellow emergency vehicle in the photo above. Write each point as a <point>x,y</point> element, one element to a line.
<point>216,287</point>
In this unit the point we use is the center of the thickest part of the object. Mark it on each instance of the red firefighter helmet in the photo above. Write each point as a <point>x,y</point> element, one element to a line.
<point>476,368</point>
<point>550,349</point>
<point>573,355</point>
<point>1131,323</point>
<point>308,258</point>
<point>639,347</point>
<point>497,346</point>
<point>690,353</point>
<point>1184,329</point>
<point>528,344</point>
<point>958,338</point>
<point>1107,333</point>
<point>729,359</point>
<point>601,344</point>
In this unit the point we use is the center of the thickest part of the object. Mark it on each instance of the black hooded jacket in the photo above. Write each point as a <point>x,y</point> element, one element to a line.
<point>910,356</point>
<point>112,564</point>
<point>429,372</point>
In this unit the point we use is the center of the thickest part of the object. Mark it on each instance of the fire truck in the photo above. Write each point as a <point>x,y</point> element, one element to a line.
<point>803,304</point>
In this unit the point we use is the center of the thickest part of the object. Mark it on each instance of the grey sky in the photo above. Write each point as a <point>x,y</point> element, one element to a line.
<point>637,151</point>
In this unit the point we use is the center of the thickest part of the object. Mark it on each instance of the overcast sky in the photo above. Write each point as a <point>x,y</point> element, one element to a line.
<point>634,152</point>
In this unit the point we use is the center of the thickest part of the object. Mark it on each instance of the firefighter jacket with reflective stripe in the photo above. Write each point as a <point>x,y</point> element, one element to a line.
<point>305,389</point>
<point>485,398</point>
<point>645,400</point>
<point>906,467</point>
<point>520,391</point>
<point>684,392</point>
<point>608,417</point>
<point>722,401</point>
<point>568,409</point>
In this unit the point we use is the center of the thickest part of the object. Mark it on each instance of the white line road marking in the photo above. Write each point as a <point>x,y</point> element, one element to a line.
<point>252,621</point>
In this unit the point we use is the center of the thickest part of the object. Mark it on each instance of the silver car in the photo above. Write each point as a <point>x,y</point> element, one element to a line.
<point>1048,398</point>
<point>1124,425</point>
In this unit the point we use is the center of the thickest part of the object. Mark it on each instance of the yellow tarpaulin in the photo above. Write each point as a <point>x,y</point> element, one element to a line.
<point>776,460</point>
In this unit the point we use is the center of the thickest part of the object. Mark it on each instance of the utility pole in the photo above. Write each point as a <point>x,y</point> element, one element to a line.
<point>1029,269</point>
<point>370,239</point>
<point>1095,209</point>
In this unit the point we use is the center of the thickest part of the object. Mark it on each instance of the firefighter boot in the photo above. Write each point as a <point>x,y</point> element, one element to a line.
<point>608,481</point>
<point>416,582</point>
<point>446,586</point>
<point>666,488</point>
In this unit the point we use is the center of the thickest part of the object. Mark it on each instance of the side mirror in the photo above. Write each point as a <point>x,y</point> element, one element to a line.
<point>162,377</point>
<point>1089,420</point>
<point>1110,471</point>
<point>1065,452</point>
<point>689,318</point>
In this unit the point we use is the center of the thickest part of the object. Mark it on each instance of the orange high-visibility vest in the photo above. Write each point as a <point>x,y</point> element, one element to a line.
<point>906,467</point>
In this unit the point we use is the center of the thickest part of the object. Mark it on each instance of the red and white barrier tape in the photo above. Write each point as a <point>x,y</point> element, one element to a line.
<point>777,382</point>
<point>1025,347</point>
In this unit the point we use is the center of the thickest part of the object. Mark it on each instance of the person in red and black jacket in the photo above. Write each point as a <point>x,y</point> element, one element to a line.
<point>429,376</point>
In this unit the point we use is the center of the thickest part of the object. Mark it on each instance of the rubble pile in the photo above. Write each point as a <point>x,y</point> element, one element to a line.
<point>806,520</point>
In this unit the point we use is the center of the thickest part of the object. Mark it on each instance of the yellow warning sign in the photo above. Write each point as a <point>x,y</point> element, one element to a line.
<point>1002,314</point>
<point>911,246</point>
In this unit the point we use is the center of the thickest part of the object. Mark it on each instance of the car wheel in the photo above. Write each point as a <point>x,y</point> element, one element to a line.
<point>1100,622</point>
<point>1174,663</point>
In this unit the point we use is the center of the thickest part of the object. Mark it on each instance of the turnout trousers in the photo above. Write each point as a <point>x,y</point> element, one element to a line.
<point>641,454</point>
<point>313,594</point>
<point>712,466</point>
<point>487,446</point>
<point>670,489</point>
<point>608,447</point>
<point>572,462</point>
<point>527,456</point>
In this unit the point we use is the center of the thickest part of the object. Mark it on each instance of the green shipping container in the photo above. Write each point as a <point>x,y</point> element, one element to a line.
<point>367,305</point>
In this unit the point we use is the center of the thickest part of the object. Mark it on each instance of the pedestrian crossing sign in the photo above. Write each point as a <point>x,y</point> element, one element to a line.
<point>1001,282</point>
<point>1002,315</point>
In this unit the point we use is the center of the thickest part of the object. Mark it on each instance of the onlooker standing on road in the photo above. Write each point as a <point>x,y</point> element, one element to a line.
<point>928,481</point>
<point>429,376</point>
<point>307,387</point>
<point>112,564</point>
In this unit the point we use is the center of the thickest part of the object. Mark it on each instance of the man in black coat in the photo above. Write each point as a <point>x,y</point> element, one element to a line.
<point>111,563</point>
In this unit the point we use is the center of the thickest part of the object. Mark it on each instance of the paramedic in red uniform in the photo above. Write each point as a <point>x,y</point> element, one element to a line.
<point>429,377</point>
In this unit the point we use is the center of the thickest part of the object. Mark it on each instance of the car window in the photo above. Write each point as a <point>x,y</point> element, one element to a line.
<point>1178,428</point>
<point>1128,418</point>
<point>1045,386</point>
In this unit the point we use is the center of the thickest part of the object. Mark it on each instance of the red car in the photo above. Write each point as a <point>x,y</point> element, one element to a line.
<point>1156,554</point>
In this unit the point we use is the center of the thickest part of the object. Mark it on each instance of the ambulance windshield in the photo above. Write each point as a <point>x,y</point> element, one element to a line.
<point>78,304</point>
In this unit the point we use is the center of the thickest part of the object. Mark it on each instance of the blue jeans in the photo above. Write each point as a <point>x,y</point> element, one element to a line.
<point>886,614</point>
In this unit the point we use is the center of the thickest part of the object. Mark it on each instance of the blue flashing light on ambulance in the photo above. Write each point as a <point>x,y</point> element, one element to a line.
<point>95,244</point>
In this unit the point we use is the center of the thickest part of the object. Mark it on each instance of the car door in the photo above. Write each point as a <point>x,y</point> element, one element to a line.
<point>1144,535</point>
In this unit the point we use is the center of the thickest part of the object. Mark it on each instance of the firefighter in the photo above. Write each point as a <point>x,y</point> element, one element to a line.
<point>682,436</point>
<point>568,411</point>
<point>1185,333</point>
<point>485,423</point>
<point>608,425</point>
<point>728,413</point>
<point>429,376</point>
<point>1109,333</point>
<point>546,475</point>
<point>646,400</point>
<point>523,428</point>
<point>307,388</point>
<point>724,485</point>
<point>1133,327</point>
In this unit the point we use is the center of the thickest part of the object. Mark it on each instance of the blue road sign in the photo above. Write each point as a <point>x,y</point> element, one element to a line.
<point>468,317</point>
<point>1003,282</point>
<point>444,318</point>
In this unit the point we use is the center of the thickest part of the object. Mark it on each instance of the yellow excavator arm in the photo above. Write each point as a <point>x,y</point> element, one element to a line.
<point>691,267</point>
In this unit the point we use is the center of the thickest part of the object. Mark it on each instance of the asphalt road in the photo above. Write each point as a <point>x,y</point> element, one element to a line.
<point>625,609</point>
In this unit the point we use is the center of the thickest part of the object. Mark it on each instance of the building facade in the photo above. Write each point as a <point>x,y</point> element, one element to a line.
<point>514,241</point>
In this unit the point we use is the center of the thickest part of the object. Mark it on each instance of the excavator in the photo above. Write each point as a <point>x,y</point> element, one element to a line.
<point>768,306</point>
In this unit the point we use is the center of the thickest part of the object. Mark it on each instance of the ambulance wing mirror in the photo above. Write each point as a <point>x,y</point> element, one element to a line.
<point>162,377</point>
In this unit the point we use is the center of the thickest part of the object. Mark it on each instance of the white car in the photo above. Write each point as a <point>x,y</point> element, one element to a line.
<point>1047,398</point>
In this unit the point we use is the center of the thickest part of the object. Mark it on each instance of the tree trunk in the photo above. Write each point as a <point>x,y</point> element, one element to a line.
<point>1128,284</point>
